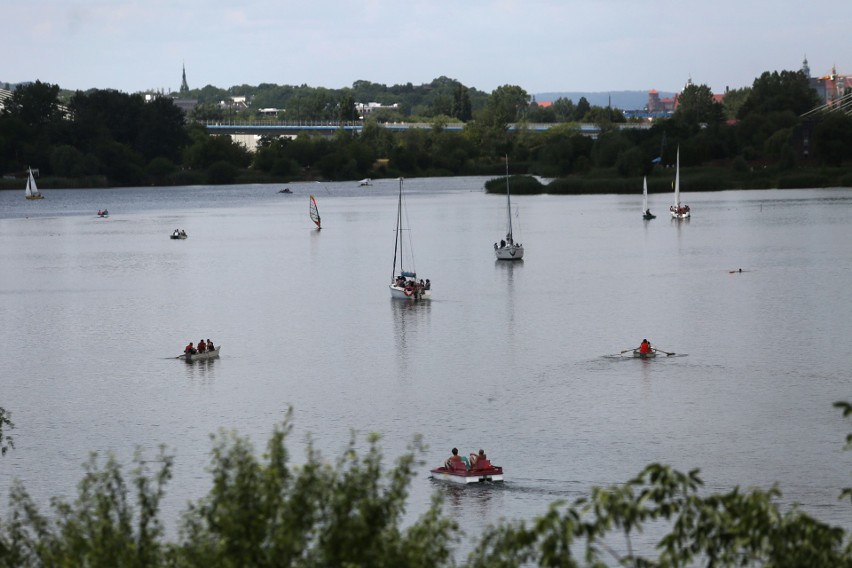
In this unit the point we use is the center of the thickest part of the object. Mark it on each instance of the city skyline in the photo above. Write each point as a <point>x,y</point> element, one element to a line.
<point>541,45</point>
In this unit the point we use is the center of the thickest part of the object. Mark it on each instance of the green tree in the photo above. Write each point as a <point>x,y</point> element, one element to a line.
<point>582,108</point>
<point>35,104</point>
<point>506,104</point>
<point>833,138</point>
<point>697,106</point>
<point>105,526</point>
<point>787,91</point>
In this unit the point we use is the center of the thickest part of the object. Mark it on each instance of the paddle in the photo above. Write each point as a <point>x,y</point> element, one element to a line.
<point>661,351</point>
<point>626,350</point>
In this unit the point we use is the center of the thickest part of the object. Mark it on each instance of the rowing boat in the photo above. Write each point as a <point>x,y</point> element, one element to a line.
<point>649,355</point>
<point>214,354</point>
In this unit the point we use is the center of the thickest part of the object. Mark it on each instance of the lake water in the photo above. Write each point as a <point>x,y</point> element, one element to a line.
<point>511,358</point>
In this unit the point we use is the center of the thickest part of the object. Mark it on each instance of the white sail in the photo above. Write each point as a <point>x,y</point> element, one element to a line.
<point>31,191</point>
<point>644,195</point>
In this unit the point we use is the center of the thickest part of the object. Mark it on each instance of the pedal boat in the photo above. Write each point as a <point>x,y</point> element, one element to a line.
<point>481,472</point>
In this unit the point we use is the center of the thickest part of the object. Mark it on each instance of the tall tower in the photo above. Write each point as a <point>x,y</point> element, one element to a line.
<point>805,68</point>
<point>184,88</point>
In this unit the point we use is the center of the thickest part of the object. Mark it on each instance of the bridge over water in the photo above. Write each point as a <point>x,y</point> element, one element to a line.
<point>293,128</point>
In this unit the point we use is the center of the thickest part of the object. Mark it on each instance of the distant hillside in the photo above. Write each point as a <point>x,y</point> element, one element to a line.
<point>624,100</point>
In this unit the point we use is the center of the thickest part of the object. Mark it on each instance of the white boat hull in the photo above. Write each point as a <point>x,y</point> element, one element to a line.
<point>399,293</point>
<point>510,252</point>
<point>467,479</point>
<point>201,356</point>
<point>680,215</point>
<point>637,353</point>
<point>463,476</point>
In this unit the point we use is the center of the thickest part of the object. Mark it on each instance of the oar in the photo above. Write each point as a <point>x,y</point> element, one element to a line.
<point>626,350</point>
<point>661,351</point>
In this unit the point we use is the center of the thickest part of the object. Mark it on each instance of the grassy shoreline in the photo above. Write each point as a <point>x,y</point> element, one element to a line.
<point>703,178</point>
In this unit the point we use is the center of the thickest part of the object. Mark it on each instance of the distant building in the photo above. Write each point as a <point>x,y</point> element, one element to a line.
<point>830,88</point>
<point>237,103</point>
<point>364,110</point>
<point>184,87</point>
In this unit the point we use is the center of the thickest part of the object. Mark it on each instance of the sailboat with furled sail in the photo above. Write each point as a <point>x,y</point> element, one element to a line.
<point>314,212</point>
<point>404,284</point>
<point>509,249</point>
<point>678,210</point>
<point>31,191</point>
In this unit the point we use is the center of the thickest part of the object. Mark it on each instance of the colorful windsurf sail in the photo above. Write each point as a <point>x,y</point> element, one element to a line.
<point>315,212</point>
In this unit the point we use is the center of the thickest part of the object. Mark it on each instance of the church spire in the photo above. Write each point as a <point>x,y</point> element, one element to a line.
<point>805,68</point>
<point>184,88</point>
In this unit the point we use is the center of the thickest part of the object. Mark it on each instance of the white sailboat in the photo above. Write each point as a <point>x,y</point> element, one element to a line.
<point>678,210</point>
<point>646,213</point>
<point>31,191</point>
<point>404,284</point>
<point>508,249</point>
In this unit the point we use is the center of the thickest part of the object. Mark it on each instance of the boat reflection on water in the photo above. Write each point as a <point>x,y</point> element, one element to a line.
<point>203,370</point>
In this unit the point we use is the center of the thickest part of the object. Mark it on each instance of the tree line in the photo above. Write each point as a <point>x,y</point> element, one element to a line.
<point>754,138</point>
<point>266,511</point>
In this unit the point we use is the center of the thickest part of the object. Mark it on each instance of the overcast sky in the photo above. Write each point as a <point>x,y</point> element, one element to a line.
<point>540,45</point>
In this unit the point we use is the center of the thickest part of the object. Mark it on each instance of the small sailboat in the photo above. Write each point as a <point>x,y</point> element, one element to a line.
<point>646,213</point>
<point>31,191</point>
<point>404,284</point>
<point>508,249</point>
<point>678,210</point>
<point>314,212</point>
<point>365,182</point>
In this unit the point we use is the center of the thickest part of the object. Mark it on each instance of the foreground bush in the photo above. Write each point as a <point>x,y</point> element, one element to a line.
<point>266,512</point>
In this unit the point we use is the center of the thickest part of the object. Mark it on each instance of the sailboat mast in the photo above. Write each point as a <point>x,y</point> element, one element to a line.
<point>508,202</point>
<point>397,244</point>
<point>677,180</point>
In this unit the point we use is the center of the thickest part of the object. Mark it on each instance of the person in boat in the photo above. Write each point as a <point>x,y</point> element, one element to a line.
<point>453,459</point>
<point>176,233</point>
<point>647,212</point>
<point>189,349</point>
<point>428,285</point>
<point>202,347</point>
<point>476,458</point>
<point>645,346</point>
<point>182,233</point>
<point>502,243</point>
<point>210,346</point>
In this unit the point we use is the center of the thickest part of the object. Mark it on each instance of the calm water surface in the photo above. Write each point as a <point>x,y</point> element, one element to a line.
<point>511,358</point>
